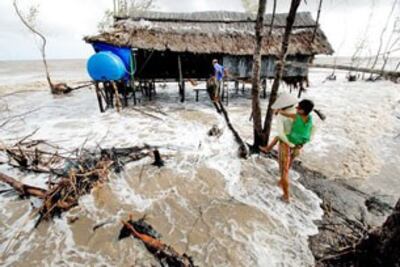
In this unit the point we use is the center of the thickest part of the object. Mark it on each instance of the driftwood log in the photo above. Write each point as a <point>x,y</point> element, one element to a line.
<point>166,255</point>
<point>22,189</point>
<point>390,75</point>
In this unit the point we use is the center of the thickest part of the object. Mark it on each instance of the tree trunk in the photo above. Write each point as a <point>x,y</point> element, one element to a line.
<point>316,22</point>
<point>255,91</point>
<point>279,68</point>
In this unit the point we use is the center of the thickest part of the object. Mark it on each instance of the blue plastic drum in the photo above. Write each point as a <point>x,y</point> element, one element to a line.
<point>106,66</point>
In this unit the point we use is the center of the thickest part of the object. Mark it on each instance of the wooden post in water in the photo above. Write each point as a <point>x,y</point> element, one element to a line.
<point>264,86</point>
<point>133,91</point>
<point>125,92</point>
<point>150,90</point>
<point>117,100</point>
<point>98,94</point>
<point>237,86</point>
<point>181,81</point>
<point>109,95</point>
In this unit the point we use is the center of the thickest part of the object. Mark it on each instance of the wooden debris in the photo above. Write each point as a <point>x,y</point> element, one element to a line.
<point>60,89</point>
<point>215,131</point>
<point>23,189</point>
<point>74,175</point>
<point>165,254</point>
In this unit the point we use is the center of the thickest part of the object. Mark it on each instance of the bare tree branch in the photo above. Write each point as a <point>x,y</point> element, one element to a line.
<point>29,21</point>
<point>384,29</point>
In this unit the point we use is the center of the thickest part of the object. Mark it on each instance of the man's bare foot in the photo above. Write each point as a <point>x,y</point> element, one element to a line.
<point>285,199</point>
<point>263,149</point>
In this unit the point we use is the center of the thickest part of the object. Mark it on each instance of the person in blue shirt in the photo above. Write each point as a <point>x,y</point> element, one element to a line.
<point>218,75</point>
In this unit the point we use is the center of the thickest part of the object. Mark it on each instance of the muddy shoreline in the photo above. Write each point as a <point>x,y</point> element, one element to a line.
<point>349,214</point>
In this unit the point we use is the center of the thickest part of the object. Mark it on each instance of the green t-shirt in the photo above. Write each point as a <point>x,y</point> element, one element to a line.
<point>301,131</point>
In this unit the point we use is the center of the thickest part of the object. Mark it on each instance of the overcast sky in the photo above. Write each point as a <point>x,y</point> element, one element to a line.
<point>65,22</point>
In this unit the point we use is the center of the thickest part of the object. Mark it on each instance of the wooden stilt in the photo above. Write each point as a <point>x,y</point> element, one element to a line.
<point>133,91</point>
<point>181,81</point>
<point>154,88</point>
<point>222,90</point>
<point>301,88</point>
<point>106,97</point>
<point>142,88</point>
<point>264,86</point>
<point>150,90</point>
<point>227,92</point>
<point>237,86</point>
<point>125,92</point>
<point>109,95</point>
<point>99,97</point>
<point>183,91</point>
<point>103,95</point>
<point>243,84</point>
<point>117,100</point>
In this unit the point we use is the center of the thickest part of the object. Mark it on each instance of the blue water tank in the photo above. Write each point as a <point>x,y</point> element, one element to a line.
<point>106,66</point>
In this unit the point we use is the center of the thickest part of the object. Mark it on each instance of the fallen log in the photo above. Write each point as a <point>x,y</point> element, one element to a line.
<point>390,75</point>
<point>165,254</point>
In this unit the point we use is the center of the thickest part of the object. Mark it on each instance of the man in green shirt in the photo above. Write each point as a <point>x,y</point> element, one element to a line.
<point>291,142</point>
<point>300,134</point>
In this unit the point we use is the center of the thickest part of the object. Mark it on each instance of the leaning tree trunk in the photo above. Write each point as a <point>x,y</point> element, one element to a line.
<point>316,22</point>
<point>279,67</point>
<point>255,91</point>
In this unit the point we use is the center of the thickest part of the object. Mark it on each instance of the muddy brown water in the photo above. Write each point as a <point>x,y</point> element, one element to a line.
<point>205,202</point>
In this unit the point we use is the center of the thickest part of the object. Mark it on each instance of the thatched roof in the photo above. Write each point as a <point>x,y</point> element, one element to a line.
<point>212,32</point>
